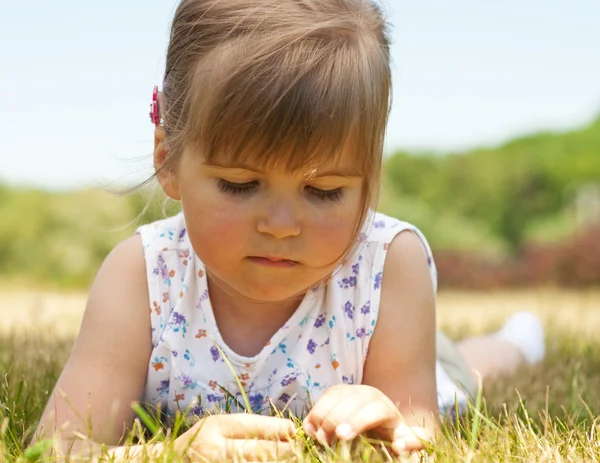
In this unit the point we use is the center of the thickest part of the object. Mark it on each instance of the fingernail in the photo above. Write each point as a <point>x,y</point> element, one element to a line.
<point>399,445</point>
<point>344,431</point>
<point>321,437</point>
<point>401,431</point>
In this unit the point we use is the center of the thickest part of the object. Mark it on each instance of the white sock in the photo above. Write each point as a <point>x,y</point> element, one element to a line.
<point>449,394</point>
<point>525,330</point>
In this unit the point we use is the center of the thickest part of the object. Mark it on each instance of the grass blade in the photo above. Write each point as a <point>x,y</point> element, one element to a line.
<point>237,379</point>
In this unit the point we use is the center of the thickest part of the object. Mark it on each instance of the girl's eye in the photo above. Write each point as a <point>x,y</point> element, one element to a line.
<point>236,188</point>
<point>334,195</point>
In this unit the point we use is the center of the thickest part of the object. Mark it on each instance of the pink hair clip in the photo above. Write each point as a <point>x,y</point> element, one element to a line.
<point>155,108</point>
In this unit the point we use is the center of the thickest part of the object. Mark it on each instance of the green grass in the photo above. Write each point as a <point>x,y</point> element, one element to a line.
<point>545,413</point>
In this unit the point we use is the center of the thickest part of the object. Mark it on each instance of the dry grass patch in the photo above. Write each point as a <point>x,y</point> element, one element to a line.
<point>546,413</point>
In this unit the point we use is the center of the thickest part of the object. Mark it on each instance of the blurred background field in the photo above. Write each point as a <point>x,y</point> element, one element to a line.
<point>577,313</point>
<point>524,213</point>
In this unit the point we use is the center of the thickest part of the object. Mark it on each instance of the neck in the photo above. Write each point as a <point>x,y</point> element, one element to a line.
<point>245,325</point>
<point>226,302</point>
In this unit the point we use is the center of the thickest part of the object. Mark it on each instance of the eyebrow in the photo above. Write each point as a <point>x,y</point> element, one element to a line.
<point>349,172</point>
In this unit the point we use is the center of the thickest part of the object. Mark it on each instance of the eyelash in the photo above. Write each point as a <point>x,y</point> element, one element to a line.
<point>235,189</point>
<point>334,195</point>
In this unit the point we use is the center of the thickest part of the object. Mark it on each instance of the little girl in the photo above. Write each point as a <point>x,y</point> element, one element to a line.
<point>269,131</point>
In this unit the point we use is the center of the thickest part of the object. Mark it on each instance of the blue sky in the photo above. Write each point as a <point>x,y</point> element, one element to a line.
<point>77,77</point>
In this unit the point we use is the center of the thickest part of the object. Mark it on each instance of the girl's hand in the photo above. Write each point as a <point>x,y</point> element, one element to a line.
<point>346,411</point>
<point>238,436</point>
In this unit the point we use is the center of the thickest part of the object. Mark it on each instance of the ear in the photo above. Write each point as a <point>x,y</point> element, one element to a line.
<point>166,177</point>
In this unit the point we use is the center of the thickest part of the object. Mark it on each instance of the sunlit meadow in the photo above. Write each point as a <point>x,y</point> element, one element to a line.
<point>545,413</point>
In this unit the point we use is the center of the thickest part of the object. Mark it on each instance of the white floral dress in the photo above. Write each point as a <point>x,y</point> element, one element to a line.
<point>324,343</point>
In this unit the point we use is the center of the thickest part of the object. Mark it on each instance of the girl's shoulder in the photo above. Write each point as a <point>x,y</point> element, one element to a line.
<point>381,228</point>
<point>170,264</point>
<point>352,297</point>
<point>374,242</point>
<point>169,234</point>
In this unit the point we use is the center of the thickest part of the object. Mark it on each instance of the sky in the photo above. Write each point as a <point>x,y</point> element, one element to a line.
<point>76,80</point>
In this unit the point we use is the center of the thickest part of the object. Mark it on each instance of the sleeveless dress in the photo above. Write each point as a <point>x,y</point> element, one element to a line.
<point>324,343</point>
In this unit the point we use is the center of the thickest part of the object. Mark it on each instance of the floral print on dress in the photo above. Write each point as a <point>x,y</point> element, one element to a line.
<point>189,357</point>
<point>378,278</point>
<point>163,388</point>
<point>162,270</point>
<point>168,232</point>
<point>349,310</point>
<point>324,343</point>
<point>216,355</point>
<point>257,401</point>
<point>365,309</point>
<point>320,321</point>
<point>179,323</point>
<point>182,234</point>
<point>186,382</point>
<point>158,363</point>
<point>350,281</point>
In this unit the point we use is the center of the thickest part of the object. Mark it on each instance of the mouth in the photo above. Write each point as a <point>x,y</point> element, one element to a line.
<point>273,261</point>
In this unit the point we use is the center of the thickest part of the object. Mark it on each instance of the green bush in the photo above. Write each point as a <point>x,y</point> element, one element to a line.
<point>493,200</point>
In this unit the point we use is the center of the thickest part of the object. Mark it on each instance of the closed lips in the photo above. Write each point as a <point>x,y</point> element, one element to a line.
<point>274,259</point>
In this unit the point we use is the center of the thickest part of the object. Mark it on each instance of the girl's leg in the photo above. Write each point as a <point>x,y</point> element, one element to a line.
<point>489,356</point>
<point>519,341</point>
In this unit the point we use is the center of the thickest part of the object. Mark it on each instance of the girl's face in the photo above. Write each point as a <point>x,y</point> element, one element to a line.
<point>269,235</point>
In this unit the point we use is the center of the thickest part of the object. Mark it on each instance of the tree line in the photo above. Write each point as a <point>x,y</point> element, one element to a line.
<point>489,200</point>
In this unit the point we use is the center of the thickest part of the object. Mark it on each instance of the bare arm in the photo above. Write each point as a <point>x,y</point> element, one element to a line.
<point>401,358</point>
<point>107,371</point>
<point>107,368</point>
<point>397,399</point>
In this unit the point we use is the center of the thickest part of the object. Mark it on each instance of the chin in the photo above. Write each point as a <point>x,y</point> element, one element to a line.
<point>270,292</point>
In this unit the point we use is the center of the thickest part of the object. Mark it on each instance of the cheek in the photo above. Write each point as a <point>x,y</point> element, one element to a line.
<point>331,235</point>
<point>333,232</point>
<point>222,225</point>
<point>215,228</point>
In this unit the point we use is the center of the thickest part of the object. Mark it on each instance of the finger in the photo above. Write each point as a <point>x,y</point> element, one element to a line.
<point>323,408</point>
<point>409,444</point>
<point>361,415</point>
<point>243,450</point>
<point>375,414</point>
<point>244,426</point>
<point>410,439</point>
<point>260,450</point>
<point>339,415</point>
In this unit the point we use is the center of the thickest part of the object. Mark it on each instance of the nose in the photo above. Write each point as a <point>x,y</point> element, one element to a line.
<point>280,219</point>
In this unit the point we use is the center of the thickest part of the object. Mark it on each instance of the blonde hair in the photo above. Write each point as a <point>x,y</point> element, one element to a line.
<point>279,84</point>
